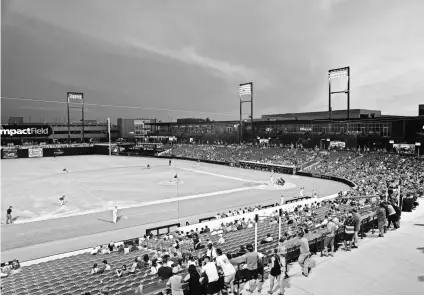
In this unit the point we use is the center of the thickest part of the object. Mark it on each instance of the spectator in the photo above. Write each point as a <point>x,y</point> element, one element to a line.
<point>191,261</point>
<point>146,260</point>
<point>228,269</point>
<point>305,254</point>
<point>275,273</point>
<point>242,251</point>
<point>211,252</point>
<point>196,241</point>
<point>251,260</point>
<point>105,250</point>
<point>329,237</point>
<point>94,250</point>
<point>111,246</point>
<point>381,219</point>
<point>95,269</point>
<point>174,282</point>
<point>221,239</point>
<point>392,216</point>
<point>133,266</point>
<point>268,239</point>
<point>209,269</point>
<point>120,271</point>
<point>106,266</point>
<point>358,220</point>
<point>154,268</point>
<point>349,231</point>
<point>165,271</point>
<point>193,279</point>
<point>5,271</point>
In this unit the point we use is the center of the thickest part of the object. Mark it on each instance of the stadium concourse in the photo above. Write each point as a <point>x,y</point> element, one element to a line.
<point>373,268</point>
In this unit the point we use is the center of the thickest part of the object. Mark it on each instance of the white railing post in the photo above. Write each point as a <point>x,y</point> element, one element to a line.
<point>256,236</point>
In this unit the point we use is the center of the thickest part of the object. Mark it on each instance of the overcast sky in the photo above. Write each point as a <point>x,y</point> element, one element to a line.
<point>192,55</point>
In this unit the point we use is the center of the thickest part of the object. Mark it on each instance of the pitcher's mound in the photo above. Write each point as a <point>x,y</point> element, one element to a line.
<point>287,185</point>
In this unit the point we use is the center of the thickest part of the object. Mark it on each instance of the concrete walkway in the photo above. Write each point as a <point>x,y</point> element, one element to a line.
<point>390,265</point>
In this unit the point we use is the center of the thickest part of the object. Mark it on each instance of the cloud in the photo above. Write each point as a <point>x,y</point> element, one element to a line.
<point>230,72</point>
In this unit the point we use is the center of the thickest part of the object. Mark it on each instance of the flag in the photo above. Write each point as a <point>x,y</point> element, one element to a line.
<point>245,89</point>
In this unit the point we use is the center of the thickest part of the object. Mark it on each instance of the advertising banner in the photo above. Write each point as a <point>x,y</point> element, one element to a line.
<point>10,153</point>
<point>35,152</point>
<point>337,144</point>
<point>25,131</point>
<point>58,152</point>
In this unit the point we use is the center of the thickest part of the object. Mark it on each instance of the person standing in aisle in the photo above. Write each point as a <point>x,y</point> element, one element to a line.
<point>305,254</point>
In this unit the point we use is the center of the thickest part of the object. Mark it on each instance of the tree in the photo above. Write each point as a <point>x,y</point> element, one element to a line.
<point>207,119</point>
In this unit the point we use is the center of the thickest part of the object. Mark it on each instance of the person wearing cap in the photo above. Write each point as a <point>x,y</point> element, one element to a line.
<point>165,271</point>
<point>331,229</point>
<point>174,282</point>
<point>251,259</point>
<point>209,268</point>
<point>305,254</point>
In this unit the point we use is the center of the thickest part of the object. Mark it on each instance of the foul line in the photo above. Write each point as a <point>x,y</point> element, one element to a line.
<point>144,204</point>
<point>222,176</point>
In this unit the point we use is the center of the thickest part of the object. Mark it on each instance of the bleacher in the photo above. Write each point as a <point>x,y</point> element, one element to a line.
<point>71,275</point>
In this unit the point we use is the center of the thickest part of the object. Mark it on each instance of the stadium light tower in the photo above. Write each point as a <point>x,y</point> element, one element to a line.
<point>246,89</point>
<point>75,98</point>
<point>334,74</point>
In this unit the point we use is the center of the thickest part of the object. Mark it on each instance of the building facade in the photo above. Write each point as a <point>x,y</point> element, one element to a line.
<point>335,114</point>
<point>18,133</point>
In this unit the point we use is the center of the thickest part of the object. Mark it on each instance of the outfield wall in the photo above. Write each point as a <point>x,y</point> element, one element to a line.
<point>38,152</point>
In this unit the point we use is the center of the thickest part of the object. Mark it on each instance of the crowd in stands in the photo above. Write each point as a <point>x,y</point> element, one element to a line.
<point>378,173</point>
<point>46,146</point>
<point>233,154</point>
<point>10,268</point>
<point>205,261</point>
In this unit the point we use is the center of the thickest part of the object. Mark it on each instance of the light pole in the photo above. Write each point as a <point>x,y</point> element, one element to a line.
<point>178,202</point>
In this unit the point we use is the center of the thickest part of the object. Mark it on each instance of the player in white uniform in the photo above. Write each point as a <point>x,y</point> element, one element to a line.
<point>198,162</point>
<point>282,200</point>
<point>302,191</point>
<point>271,180</point>
<point>115,214</point>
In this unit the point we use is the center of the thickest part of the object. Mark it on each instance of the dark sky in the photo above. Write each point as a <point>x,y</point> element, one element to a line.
<point>192,55</point>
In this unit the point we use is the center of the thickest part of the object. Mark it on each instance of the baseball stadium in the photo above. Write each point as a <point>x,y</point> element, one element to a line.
<point>319,202</point>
